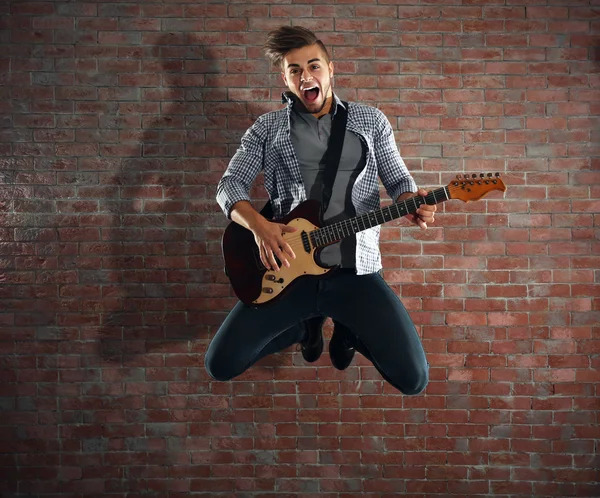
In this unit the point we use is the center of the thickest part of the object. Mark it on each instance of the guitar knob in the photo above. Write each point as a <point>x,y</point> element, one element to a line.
<point>267,290</point>
<point>270,277</point>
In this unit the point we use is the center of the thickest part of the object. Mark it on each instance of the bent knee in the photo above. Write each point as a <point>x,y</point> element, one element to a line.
<point>416,384</point>
<point>217,370</point>
<point>415,389</point>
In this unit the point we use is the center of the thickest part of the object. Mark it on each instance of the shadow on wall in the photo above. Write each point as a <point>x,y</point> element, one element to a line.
<point>163,284</point>
<point>160,271</point>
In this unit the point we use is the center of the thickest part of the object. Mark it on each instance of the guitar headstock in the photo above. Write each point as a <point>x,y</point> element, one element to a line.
<point>473,187</point>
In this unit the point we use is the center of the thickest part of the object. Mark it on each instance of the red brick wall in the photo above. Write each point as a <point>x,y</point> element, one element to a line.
<point>116,121</point>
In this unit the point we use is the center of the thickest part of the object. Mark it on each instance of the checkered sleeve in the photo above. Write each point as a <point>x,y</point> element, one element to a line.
<point>244,167</point>
<point>391,168</point>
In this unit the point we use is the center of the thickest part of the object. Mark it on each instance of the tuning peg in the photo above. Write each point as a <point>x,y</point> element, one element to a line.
<point>497,175</point>
<point>473,175</point>
<point>489,175</point>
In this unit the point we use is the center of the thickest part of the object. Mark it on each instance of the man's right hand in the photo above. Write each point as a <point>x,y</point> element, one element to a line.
<point>269,239</point>
<point>267,234</point>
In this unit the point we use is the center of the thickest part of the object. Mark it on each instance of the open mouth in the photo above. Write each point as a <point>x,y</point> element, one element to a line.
<point>311,94</point>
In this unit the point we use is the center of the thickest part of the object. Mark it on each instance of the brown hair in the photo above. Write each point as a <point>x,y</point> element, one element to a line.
<point>282,40</point>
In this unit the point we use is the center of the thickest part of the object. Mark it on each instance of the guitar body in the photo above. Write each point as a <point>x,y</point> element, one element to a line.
<point>252,283</point>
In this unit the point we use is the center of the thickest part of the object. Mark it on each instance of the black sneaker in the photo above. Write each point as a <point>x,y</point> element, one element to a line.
<point>312,345</point>
<point>341,346</point>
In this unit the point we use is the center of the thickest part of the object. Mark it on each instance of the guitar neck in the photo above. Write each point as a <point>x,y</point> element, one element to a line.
<point>335,232</point>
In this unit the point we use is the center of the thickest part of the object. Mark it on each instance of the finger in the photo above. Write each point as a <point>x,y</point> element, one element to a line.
<point>423,193</point>
<point>282,243</point>
<point>428,207</point>
<point>289,252</point>
<point>263,257</point>
<point>271,258</point>
<point>282,257</point>
<point>426,211</point>
<point>426,216</point>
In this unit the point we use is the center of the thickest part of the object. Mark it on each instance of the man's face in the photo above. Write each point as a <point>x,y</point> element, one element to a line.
<point>308,75</point>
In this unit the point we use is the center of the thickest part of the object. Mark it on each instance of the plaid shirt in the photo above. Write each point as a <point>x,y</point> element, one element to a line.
<point>267,146</point>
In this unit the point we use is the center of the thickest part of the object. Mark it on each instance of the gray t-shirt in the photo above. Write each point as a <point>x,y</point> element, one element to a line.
<point>309,137</point>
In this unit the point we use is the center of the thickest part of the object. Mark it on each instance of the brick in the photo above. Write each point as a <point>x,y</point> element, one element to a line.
<point>99,199</point>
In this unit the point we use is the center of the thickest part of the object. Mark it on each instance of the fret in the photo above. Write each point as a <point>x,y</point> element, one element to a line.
<point>344,229</point>
<point>389,214</point>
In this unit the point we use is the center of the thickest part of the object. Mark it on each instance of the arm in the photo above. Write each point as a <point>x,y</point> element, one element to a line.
<point>244,167</point>
<point>233,197</point>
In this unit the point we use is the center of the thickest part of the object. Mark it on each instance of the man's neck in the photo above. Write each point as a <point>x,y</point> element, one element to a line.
<point>326,108</point>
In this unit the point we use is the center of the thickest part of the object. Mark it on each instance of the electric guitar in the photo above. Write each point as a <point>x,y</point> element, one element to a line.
<point>255,285</point>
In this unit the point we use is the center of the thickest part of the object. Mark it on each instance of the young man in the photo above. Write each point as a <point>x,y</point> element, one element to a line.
<point>289,145</point>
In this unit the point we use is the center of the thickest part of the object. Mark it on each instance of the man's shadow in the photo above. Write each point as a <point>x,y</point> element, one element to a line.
<point>161,270</point>
<point>163,284</point>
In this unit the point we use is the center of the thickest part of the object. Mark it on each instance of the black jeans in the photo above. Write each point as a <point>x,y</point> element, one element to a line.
<point>365,304</point>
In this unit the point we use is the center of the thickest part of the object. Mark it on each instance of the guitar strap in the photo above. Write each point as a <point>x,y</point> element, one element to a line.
<point>332,156</point>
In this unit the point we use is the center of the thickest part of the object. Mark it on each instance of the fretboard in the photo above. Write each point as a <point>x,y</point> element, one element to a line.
<point>337,231</point>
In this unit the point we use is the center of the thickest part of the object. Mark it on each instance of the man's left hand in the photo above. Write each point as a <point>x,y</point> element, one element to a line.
<point>425,214</point>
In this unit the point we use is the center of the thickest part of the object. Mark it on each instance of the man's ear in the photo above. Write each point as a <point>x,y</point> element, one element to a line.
<point>330,68</point>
